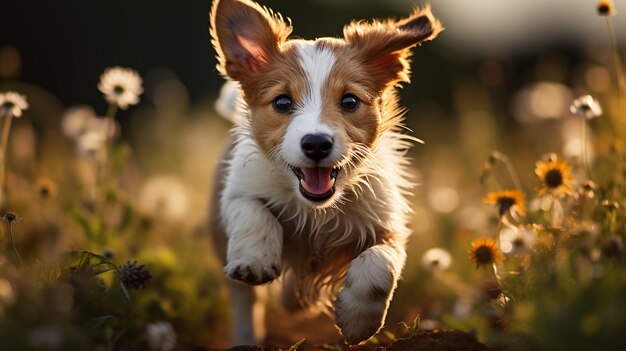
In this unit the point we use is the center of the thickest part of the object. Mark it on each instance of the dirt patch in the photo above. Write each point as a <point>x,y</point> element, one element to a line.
<point>451,340</point>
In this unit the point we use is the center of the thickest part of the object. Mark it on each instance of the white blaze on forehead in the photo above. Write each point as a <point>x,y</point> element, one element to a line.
<point>316,63</point>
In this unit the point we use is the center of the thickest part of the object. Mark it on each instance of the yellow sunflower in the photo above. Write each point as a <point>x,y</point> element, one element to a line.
<point>485,252</point>
<point>554,177</point>
<point>507,200</point>
<point>605,8</point>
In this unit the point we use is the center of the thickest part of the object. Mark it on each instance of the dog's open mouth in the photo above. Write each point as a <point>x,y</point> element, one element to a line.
<point>316,183</point>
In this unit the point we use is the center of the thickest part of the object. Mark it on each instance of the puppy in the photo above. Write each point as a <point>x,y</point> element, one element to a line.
<point>313,184</point>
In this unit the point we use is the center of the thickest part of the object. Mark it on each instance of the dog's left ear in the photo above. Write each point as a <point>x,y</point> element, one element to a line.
<point>385,47</point>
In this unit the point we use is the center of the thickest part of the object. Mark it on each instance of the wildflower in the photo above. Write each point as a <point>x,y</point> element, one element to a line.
<point>581,238</point>
<point>507,201</point>
<point>462,308</point>
<point>502,300</point>
<point>46,188</point>
<point>610,205</point>
<point>81,120</point>
<point>588,189</point>
<point>485,252</point>
<point>605,8</point>
<point>514,240</point>
<point>164,197</point>
<point>554,176</point>
<point>10,217</point>
<point>161,336</point>
<point>135,276</point>
<point>89,144</point>
<point>121,86</point>
<point>12,104</point>
<point>436,259</point>
<point>494,157</point>
<point>586,106</point>
<point>76,121</point>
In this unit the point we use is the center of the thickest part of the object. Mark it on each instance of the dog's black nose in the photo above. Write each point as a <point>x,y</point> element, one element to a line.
<point>316,146</point>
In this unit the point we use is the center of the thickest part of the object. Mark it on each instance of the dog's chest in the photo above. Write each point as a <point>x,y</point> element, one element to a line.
<point>313,242</point>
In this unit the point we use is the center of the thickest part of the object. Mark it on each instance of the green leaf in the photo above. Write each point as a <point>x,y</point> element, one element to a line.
<point>93,263</point>
<point>81,218</point>
<point>120,155</point>
<point>414,327</point>
<point>295,346</point>
<point>127,217</point>
<point>126,294</point>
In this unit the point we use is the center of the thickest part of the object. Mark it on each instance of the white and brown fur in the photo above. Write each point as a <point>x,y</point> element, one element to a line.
<point>346,253</point>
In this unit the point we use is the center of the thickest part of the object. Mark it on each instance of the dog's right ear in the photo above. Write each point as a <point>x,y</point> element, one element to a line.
<point>246,37</point>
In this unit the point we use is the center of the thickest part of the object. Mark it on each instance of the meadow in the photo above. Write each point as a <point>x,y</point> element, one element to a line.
<point>518,216</point>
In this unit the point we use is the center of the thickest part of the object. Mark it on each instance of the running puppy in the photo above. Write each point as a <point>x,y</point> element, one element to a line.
<point>313,184</point>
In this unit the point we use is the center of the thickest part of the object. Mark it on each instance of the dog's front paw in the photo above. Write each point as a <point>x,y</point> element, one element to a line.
<point>361,313</point>
<point>361,305</point>
<point>252,271</point>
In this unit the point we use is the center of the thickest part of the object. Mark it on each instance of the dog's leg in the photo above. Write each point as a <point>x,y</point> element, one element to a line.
<point>248,325</point>
<point>255,241</point>
<point>361,306</point>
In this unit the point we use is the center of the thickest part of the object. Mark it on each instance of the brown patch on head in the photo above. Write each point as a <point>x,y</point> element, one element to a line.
<point>252,48</point>
<point>350,77</point>
<point>373,58</point>
<point>284,76</point>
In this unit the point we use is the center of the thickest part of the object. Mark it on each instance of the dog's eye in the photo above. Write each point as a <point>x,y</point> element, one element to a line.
<point>283,104</point>
<point>349,102</point>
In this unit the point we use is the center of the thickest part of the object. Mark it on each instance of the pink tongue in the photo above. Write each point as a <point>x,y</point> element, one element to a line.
<point>317,180</point>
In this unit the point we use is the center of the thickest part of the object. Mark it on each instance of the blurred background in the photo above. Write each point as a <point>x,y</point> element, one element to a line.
<point>501,76</point>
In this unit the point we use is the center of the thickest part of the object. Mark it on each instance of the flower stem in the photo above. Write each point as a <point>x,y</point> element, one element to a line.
<point>108,151</point>
<point>584,157</point>
<point>511,170</point>
<point>495,273</point>
<point>619,71</point>
<point>500,227</point>
<point>17,254</point>
<point>6,127</point>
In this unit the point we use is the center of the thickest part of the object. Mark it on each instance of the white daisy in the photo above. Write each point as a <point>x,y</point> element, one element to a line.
<point>76,120</point>
<point>12,104</point>
<point>91,143</point>
<point>161,336</point>
<point>121,86</point>
<point>514,240</point>
<point>164,197</point>
<point>586,106</point>
<point>436,259</point>
<point>103,125</point>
